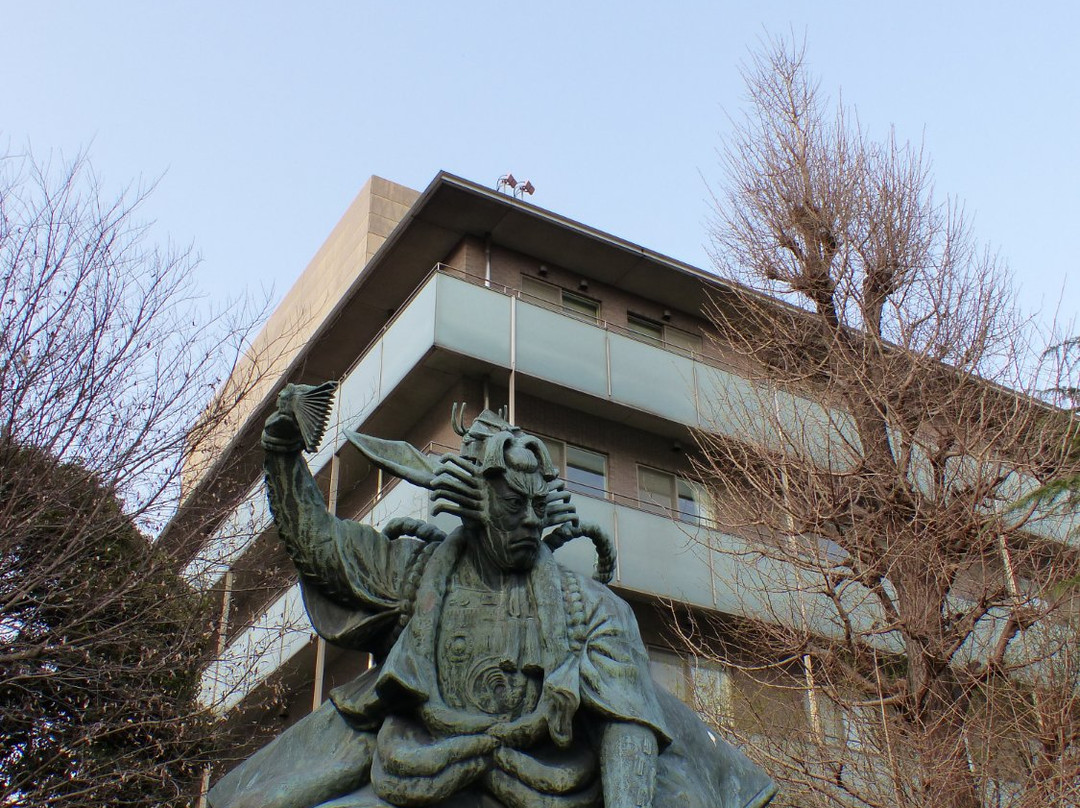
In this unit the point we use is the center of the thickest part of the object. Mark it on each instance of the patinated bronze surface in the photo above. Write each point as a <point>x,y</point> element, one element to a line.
<point>503,679</point>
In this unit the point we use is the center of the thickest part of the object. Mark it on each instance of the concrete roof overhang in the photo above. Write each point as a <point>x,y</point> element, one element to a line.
<point>462,207</point>
<point>452,208</point>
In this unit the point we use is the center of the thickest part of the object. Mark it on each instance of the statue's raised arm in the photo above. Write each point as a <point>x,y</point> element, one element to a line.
<point>351,574</point>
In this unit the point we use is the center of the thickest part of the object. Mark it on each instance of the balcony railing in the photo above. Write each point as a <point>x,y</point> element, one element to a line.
<point>606,325</point>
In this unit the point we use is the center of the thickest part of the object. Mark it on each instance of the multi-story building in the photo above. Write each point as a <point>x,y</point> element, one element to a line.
<point>464,294</point>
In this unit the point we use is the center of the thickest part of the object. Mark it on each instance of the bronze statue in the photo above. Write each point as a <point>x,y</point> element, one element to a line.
<point>503,679</point>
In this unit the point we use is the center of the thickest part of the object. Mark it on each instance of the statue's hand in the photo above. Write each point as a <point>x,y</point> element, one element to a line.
<point>456,488</point>
<point>560,511</point>
<point>406,750</point>
<point>522,732</point>
<point>281,433</point>
<point>516,794</point>
<point>301,418</point>
<point>413,768</point>
<point>551,720</point>
<point>550,771</point>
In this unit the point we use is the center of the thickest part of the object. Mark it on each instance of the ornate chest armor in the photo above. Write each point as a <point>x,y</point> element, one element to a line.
<point>488,650</point>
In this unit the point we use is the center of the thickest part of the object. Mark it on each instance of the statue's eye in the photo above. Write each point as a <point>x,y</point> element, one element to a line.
<point>539,506</point>
<point>514,503</point>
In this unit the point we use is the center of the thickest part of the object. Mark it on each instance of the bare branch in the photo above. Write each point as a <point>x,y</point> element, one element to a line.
<point>891,424</point>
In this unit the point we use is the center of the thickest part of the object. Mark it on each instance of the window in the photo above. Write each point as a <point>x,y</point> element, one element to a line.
<point>542,291</point>
<point>670,671</point>
<point>584,471</point>
<point>701,683</point>
<point>657,333</point>
<point>711,684</point>
<point>647,330</point>
<point>664,493</point>
<point>656,489</point>
<point>847,724</point>
<point>769,703</point>
<point>582,306</point>
<point>557,297</point>
<point>683,340</point>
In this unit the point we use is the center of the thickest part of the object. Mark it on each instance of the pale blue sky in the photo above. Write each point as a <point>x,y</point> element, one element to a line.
<point>264,119</point>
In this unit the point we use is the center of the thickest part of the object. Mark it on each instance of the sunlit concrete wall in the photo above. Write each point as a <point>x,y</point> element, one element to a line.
<point>371,217</point>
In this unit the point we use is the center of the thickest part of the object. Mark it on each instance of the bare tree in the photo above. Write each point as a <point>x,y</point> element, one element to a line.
<point>1061,494</point>
<point>106,355</point>
<point>870,474</point>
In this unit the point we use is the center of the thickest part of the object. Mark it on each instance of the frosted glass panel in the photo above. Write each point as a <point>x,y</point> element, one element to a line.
<point>657,554</point>
<point>274,638</point>
<point>561,349</point>
<point>730,405</point>
<point>359,392</point>
<point>828,436</point>
<point>651,379</point>
<point>409,338</point>
<point>235,534</point>
<point>473,321</point>
<point>401,501</point>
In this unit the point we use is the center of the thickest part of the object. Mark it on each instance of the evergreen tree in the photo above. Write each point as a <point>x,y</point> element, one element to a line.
<point>100,648</point>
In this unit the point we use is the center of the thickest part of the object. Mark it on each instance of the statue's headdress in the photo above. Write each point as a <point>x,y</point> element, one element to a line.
<point>493,444</point>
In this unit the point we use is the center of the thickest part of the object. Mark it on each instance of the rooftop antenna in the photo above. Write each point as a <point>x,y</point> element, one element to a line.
<point>507,180</point>
<point>509,183</point>
<point>523,188</point>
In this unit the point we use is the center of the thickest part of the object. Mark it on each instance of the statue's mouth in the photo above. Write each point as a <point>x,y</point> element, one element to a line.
<point>525,543</point>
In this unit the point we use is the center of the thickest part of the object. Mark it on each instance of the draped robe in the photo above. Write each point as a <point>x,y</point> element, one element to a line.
<point>367,592</point>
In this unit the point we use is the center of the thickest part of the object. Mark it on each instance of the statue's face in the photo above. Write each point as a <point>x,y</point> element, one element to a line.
<point>516,503</point>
